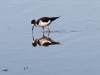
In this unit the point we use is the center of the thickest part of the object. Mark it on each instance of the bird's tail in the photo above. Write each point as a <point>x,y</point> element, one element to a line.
<point>53,18</point>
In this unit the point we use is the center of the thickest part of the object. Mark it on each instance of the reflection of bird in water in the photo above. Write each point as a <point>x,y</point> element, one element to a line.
<point>43,22</point>
<point>44,41</point>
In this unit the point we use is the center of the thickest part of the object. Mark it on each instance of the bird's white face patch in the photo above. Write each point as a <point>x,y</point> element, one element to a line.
<point>33,41</point>
<point>44,23</point>
<point>32,24</point>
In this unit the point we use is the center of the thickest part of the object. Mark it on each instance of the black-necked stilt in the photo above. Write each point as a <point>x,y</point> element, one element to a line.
<point>43,22</point>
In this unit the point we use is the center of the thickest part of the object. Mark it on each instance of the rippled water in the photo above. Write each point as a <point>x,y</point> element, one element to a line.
<point>77,31</point>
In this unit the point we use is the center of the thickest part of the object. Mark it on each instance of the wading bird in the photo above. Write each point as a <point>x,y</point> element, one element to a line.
<point>43,22</point>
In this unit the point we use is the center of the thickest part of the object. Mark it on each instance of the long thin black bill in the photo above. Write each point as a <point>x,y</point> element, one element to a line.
<point>32,29</point>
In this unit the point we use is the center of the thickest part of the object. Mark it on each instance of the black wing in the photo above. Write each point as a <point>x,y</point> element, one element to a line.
<point>43,19</point>
<point>46,19</point>
<point>53,18</point>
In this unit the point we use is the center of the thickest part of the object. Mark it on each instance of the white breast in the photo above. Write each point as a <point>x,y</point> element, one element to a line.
<point>45,41</point>
<point>42,41</point>
<point>44,23</point>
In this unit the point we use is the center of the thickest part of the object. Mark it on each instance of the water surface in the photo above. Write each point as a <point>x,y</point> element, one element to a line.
<point>77,30</point>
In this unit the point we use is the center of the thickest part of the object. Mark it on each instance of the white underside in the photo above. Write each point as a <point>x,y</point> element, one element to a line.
<point>42,41</point>
<point>43,24</point>
<point>45,42</point>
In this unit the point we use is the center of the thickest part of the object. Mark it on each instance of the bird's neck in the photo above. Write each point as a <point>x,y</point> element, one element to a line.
<point>35,24</point>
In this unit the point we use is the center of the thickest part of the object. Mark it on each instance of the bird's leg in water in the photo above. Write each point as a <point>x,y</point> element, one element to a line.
<point>43,30</point>
<point>32,29</point>
<point>48,29</point>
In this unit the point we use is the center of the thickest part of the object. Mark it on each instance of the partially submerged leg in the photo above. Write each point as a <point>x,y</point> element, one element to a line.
<point>48,30</point>
<point>43,34</point>
<point>48,33</point>
<point>32,29</point>
<point>42,29</point>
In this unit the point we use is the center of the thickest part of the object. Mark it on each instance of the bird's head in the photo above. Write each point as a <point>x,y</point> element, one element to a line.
<point>34,43</point>
<point>33,22</point>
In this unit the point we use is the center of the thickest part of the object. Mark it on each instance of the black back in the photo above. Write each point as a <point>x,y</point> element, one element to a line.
<point>46,19</point>
<point>53,18</point>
